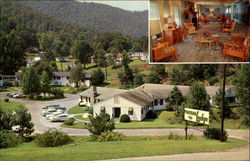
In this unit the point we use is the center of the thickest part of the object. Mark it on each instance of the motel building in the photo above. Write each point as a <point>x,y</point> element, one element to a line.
<point>137,102</point>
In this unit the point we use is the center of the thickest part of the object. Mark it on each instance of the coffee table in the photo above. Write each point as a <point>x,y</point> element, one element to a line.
<point>202,41</point>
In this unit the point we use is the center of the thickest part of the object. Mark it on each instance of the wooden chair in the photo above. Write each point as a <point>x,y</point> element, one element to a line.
<point>229,28</point>
<point>190,27</point>
<point>235,49</point>
<point>163,51</point>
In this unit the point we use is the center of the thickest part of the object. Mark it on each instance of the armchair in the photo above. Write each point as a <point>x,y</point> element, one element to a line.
<point>163,51</point>
<point>229,28</point>
<point>239,50</point>
<point>190,27</point>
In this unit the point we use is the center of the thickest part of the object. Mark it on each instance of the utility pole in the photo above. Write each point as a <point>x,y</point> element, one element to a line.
<point>223,103</point>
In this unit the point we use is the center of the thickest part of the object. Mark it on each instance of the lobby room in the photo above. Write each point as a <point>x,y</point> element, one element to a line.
<point>199,31</point>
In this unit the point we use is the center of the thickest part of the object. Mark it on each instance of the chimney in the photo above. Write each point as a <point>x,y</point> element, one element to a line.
<point>93,95</point>
<point>94,90</point>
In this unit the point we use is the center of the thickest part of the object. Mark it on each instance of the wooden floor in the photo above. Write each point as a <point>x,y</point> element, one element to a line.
<point>191,51</point>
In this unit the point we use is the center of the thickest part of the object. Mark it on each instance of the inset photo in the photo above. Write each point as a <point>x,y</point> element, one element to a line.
<point>198,31</point>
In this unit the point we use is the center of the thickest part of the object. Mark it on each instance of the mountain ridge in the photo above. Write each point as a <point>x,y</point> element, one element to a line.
<point>100,17</point>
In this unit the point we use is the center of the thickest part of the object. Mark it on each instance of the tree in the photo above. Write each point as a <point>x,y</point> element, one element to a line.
<point>198,97</point>
<point>46,40</point>
<point>77,75</point>
<point>153,78</point>
<point>178,75</point>
<point>44,66</point>
<point>83,52</point>
<point>98,77</point>
<point>23,122</point>
<point>99,124</point>
<point>243,92</point>
<point>175,99</point>
<point>218,102</point>
<point>159,69</point>
<point>30,82</point>
<point>100,58</point>
<point>12,55</point>
<point>45,83</point>
<point>138,80</point>
<point>7,120</point>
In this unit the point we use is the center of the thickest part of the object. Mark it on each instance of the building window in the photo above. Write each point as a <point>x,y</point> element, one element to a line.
<point>116,100</point>
<point>67,78</point>
<point>58,78</point>
<point>102,109</point>
<point>142,111</point>
<point>161,101</point>
<point>130,111</point>
<point>156,102</point>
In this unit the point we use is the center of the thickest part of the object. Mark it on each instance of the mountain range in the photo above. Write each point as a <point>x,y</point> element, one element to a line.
<point>99,17</point>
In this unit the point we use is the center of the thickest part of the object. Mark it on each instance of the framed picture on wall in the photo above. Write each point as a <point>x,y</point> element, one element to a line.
<point>217,10</point>
<point>207,10</point>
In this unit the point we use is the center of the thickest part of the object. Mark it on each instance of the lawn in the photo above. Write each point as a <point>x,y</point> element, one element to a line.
<point>9,89</point>
<point>71,90</point>
<point>166,119</point>
<point>136,146</point>
<point>78,109</point>
<point>9,105</point>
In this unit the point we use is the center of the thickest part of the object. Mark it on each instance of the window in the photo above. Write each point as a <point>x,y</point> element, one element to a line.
<point>161,101</point>
<point>58,77</point>
<point>154,10</point>
<point>67,78</point>
<point>141,110</point>
<point>102,109</point>
<point>156,102</point>
<point>116,100</point>
<point>130,111</point>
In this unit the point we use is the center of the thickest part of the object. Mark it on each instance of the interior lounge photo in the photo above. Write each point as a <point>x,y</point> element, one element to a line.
<point>212,31</point>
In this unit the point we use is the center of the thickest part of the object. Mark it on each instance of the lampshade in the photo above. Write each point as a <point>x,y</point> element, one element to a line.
<point>155,26</point>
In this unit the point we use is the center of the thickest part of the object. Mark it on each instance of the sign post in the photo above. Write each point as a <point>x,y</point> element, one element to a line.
<point>194,115</point>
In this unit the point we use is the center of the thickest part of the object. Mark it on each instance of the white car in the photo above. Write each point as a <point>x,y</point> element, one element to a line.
<point>61,117</point>
<point>50,111</point>
<point>54,114</point>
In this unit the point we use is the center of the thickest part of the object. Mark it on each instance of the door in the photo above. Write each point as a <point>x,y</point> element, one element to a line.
<point>117,112</point>
<point>176,15</point>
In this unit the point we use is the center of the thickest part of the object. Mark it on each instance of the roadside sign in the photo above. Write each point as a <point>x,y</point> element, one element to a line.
<point>198,116</point>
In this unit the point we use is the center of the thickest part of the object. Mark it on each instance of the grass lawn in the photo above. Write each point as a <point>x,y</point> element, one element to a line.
<point>78,109</point>
<point>71,90</point>
<point>10,89</point>
<point>136,146</point>
<point>81,118</point>
<point>9,105</point>
<point>165,119</point>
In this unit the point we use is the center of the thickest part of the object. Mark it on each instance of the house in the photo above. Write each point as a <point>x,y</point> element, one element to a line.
<point>29,63</point>
<point>137,102</point>
<point>140,56</point>
<point>62,78</point>
<point>39,57</point>
<point>62,59</point>
<point>10,78</point>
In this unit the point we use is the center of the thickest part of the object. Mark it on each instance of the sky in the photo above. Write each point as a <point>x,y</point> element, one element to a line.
<point>131,5</point>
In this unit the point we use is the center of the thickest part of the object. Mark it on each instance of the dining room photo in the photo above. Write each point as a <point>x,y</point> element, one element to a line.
<point>192,31</point>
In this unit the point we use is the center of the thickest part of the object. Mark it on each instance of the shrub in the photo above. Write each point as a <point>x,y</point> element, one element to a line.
<point>124,118</point>
<point>8,139</point>
<point>69,122</point>
<point>99,124</point>
<point>191,137</point>
<point>110,136</point>
<point>6,100</point>
<point>174,136</point>
<point>91,111</point>
<point>58,93</point>
<point>52,138</point>
<point>151,114</point>
<point>8,83</point>
<point>215,133</point>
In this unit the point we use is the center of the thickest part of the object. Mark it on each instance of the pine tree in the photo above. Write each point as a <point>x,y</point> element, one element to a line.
<point>77,75</point>
<point>30,82</point>
<point>45,83</point>
<point>138,79</point>
<point>98,77</point>
<point>175,99</point>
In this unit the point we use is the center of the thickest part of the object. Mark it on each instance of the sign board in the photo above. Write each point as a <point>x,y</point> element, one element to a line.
<point>198,116</point>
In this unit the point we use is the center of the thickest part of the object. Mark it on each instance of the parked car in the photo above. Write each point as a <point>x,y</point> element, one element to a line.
<point>55,107</point>
<point>18,95</point>
<point>11,94</point>
<point>50,111</point>
<point>61,117</point>
<point>54,114</point>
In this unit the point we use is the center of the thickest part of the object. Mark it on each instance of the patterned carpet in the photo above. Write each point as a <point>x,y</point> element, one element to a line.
<point>191,51</point>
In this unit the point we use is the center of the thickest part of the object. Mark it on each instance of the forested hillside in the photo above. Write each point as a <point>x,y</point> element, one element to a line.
<point>96,16</point>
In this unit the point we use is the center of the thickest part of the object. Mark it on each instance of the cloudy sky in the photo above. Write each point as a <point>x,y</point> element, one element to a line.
<point>131,5</point>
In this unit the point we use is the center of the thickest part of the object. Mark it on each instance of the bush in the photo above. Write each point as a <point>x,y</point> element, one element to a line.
<point>191,137</point>
<point>8,139</point>
<point>215,133</point>
<point>91,111</point>
<point>110,136</point>
<point>52,138</point>
<point>58,93</point>
<point>174,136</point>
<point>151,114</point>
<point>8,83</point>
<point>6,100</point>
<point>99,124</point>
<point>69,122</point>
<point>124,118</point>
